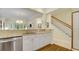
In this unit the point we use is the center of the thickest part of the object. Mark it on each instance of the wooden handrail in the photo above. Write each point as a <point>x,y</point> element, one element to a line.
<point>67,25</point>
<point>62,30</point>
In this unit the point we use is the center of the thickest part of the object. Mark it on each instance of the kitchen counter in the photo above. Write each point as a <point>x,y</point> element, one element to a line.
<point>6,34</point>
<point>18,40</point>
<point>8,37</point>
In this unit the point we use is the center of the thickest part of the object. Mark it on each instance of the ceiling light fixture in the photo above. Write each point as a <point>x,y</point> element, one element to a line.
<point>19,21</point>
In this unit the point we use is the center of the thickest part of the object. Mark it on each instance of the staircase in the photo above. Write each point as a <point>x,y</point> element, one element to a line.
<point>66,28</point>
<point>65,31</point>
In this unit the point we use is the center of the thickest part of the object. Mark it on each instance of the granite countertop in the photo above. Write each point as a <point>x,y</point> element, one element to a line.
<point>8,37</point>
<point>13,35</point>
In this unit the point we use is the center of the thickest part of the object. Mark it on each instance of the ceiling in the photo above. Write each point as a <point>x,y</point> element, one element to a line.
<point>23,13</point>
<point>44,10</point>
<point>19,13</point>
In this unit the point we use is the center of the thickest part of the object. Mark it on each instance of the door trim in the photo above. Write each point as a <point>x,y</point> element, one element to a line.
<point>72,30</point>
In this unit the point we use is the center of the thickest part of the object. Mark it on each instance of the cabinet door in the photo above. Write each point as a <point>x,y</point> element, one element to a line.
<point>42,40</point>
<point>1,24</point>
<point>45,39</point>
<point>48,38</point>
<point>27,43</point>
<point>36,42</point>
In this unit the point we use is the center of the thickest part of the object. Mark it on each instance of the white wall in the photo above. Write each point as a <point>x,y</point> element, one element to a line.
<point>59,37</point>
<point>64,14</point>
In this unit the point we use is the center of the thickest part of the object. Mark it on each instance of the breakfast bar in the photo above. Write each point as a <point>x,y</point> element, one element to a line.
<point>25,40</point>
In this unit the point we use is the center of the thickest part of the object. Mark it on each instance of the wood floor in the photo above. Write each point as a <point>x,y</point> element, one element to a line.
<point>53,47</point>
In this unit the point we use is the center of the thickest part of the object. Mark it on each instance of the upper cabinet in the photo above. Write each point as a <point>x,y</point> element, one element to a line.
<point>13,24</point>
<point>23,18</point>
<point>18,24</point>
<point>44,22</point>
<point>0,24</point>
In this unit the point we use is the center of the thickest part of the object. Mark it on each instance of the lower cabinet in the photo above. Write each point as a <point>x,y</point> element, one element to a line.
<point>27,43</point>
<point>44,40</point>
<point>34,42</point>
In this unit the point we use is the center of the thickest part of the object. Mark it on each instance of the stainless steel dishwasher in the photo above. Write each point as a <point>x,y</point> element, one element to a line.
<point>18,44</point>
<point>11,44</point>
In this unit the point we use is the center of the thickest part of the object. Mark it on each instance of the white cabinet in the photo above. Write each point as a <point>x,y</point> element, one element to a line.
<point>41,39</point>
<point>44,40</point>
<point>35,41</point>
<point>27,43</point>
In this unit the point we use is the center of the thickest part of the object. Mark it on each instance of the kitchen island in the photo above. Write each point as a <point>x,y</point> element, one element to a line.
<point>25,40</point>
